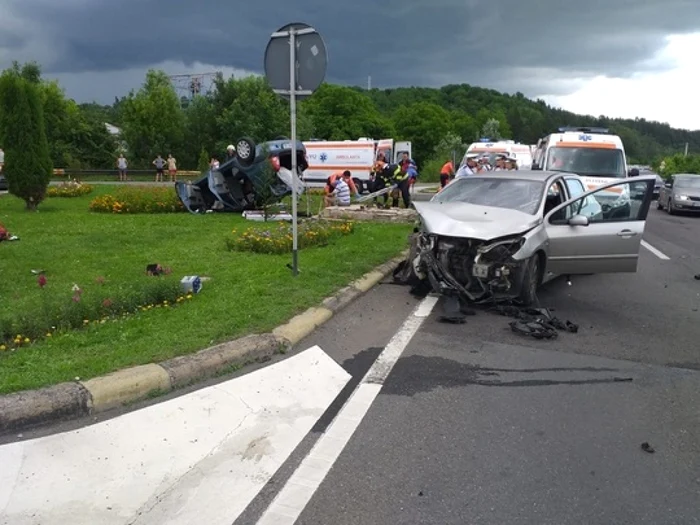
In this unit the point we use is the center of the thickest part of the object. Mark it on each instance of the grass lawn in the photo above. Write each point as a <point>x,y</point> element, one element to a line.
<point>247,292</point>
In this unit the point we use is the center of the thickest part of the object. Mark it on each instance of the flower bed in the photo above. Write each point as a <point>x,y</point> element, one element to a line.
<point>138,199</point>
<point>59,312</point>
<point>278,239</point>
<point>70,188</point>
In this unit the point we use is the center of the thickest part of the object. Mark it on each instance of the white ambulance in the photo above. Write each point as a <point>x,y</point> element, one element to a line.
<point>522,153</point>
<point>594,154</point>
<point>356,156</point>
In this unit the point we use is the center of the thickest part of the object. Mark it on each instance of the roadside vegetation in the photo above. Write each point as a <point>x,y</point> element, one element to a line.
<point>134,318</point>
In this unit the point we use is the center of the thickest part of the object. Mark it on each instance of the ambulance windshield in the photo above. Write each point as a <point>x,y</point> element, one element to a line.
<point>587,161</point>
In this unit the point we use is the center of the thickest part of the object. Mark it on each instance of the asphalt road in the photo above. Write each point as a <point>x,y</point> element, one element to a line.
<point>476,424</point>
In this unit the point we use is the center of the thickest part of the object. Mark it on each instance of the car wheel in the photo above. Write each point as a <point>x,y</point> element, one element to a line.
<point>359,185</point>
<point>531,281</point>
<point>669,208</point>
<point>245,150</point>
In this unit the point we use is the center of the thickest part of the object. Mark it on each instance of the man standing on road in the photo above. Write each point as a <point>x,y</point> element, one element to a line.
<point>121,166</point>
<point>467,168</point>
<point>159,163</point>
<point>446,172</point>
<point>172,167</point>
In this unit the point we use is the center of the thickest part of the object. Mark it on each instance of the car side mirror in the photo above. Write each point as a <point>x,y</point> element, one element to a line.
<point>668,185</point>
<point>578,220</point>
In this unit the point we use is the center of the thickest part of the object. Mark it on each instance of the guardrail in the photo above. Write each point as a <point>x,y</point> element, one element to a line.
<point>67,172</point>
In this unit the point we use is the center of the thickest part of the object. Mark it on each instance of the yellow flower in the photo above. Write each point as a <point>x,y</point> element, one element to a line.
<point>26,339</point>
<point>48,334</point>
<point>86,321</point>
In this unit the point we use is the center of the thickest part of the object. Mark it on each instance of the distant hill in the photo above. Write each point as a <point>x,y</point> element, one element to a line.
<point>528,120</point>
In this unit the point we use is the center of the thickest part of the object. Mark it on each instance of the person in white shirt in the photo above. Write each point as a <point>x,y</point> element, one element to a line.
<point>340,195</point>
<point>121,166</point>
<point>468,167</point>
<point>500,163</point>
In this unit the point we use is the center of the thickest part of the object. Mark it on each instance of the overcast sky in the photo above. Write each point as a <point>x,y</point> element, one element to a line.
<point>616,57</point>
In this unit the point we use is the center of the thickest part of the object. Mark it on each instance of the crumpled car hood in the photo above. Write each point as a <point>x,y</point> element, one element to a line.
<point>459,219</point>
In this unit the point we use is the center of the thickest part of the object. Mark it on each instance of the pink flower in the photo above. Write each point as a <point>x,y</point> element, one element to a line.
<point>76,298</point>
<point>107,303</point>
<point>41,281</point>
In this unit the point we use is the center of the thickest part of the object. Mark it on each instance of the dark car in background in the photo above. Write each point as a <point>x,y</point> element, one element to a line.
<point>240,183</point>
<point>680,193</point>
<point>3,183</point>
<point>636,171</point>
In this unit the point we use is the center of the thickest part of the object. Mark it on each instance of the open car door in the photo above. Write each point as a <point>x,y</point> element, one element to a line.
<point>592,234</point>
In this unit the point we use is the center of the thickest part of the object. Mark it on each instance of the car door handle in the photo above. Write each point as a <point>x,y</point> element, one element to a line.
<point>626,233</point>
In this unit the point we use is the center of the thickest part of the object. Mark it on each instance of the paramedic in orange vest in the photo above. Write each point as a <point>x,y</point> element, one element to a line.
<point>347,177</point>
<point>447,171</point>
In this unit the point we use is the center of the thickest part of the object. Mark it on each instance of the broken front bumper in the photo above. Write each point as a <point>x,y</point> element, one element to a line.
<point>475,271</point>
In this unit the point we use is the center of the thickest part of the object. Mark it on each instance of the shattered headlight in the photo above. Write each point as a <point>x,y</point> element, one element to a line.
<point>500,251</point>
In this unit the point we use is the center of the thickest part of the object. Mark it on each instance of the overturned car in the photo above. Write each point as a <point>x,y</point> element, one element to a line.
<point>498,236</point>
<point>242,182</point>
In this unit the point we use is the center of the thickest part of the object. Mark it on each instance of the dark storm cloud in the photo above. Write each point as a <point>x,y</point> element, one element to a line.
<point>507,44</point>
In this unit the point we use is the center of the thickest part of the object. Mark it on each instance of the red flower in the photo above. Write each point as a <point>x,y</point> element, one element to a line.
<point>41,281</point>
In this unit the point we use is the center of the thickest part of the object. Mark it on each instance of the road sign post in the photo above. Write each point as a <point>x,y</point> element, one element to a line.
<point>305,76</point>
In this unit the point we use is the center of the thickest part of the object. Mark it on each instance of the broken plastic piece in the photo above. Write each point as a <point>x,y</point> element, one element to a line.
<point>646,447</point>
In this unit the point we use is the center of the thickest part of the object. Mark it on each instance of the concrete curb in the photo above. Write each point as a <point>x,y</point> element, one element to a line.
<point>31,408</point>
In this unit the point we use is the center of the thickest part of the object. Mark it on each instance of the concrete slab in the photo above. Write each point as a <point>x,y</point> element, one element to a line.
<point>199,458</point>
<point>359,212</point>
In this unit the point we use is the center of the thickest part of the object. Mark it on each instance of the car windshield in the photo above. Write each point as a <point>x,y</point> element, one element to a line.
<point>597,162</point>
<point>499,192</point>
<point>687,182</point>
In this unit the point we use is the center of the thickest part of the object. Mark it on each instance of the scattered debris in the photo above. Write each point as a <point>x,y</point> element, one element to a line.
<point>191,284</point>
<point>38,272</point>
<point>646,447</point>
<point>697,277</point>
<point>535,322</point>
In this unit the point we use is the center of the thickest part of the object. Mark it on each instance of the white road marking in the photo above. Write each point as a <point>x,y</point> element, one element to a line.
<point>661,255</point>
<point>290,502</point>
<point>198,458</point>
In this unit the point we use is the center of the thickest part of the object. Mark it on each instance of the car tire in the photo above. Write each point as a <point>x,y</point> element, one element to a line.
<point>245,150</point>
<point>359,185</point>
<point>531,281</point>
<point>669,208</point>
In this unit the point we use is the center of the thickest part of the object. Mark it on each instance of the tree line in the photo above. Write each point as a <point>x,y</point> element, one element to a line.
<point>155,120</point>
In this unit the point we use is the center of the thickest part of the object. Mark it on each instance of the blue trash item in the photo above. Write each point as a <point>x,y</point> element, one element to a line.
<point>191,284</point>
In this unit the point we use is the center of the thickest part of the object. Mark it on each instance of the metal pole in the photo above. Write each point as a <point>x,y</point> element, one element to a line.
<point>686,149</point>
<point>293,119</point>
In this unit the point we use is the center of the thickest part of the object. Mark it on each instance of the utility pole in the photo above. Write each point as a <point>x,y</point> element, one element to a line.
<point>369,82</point>
<point>686,149</point>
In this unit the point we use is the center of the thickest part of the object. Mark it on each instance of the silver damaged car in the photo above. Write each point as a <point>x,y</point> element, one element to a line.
<point>500,235</point>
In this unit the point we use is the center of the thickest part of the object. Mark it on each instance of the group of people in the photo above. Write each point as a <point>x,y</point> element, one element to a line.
<point>476,163</point>
<point>159,163</point>
<point>399,177</point>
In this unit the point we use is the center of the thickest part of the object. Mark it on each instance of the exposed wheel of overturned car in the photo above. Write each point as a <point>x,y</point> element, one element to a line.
<point>245,150</point>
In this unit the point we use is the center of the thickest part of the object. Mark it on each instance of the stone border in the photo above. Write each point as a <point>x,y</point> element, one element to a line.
<point>31,408</point>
